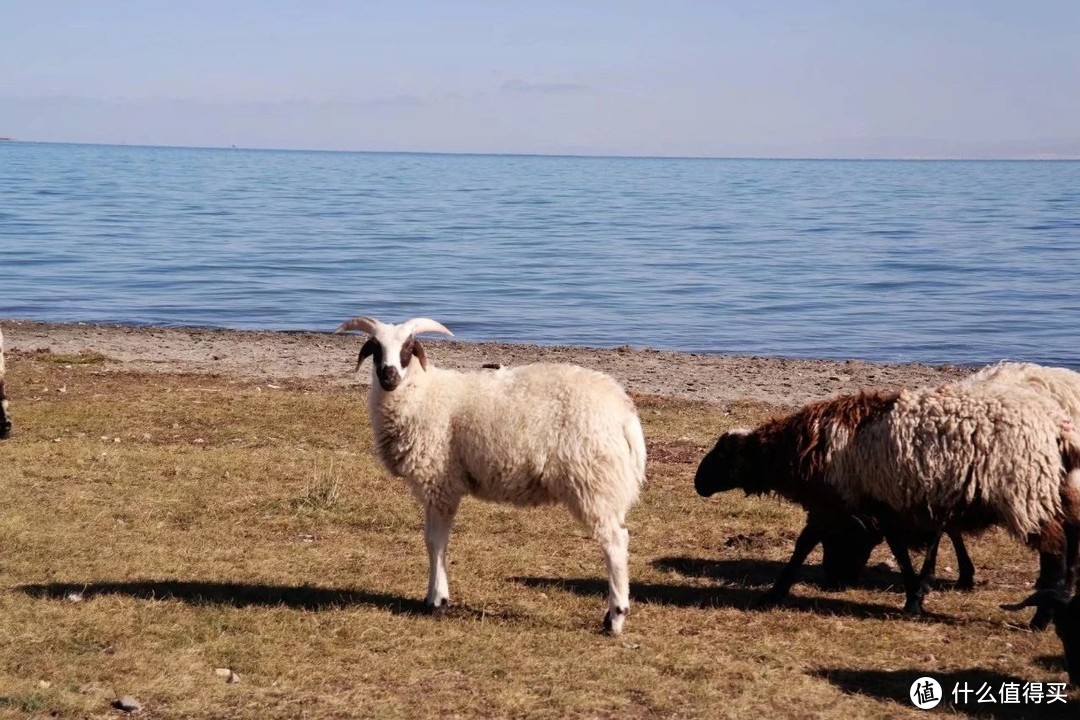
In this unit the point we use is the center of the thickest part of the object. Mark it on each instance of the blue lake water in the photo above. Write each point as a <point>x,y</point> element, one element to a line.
<point>896,261</point>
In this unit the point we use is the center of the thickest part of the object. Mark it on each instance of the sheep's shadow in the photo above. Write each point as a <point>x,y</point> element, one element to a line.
<point>1052,663</point>
<point>738,598</point>
<point>895,685</point>
<point>297,597</point>
<point>749,573</point>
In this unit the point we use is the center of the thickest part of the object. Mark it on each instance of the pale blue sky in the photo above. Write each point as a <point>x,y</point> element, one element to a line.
<point>783,78</point>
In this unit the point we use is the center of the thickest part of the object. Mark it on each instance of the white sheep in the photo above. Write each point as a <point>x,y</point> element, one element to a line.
<point>5,417</point>
<point>531,435</point>
<point>922,462</point>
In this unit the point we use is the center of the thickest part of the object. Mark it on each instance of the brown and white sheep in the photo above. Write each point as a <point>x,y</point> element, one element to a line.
<point>846,552</point>
<point>920,462</point>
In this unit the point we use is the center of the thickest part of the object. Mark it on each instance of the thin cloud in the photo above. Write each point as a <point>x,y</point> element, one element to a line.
<point>524,86</point>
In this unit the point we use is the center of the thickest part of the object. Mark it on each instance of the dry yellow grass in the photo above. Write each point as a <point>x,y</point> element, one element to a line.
<point>212,522</point>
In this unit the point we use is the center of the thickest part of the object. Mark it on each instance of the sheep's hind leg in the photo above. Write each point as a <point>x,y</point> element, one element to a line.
<point>913,605</point>
<point>965,579</point>
<point>926,575</point>
<point>615,541</point>
<point>437,523</point>
<point>804,545</point>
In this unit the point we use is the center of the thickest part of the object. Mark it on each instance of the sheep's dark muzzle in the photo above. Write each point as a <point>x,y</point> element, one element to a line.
<point>704,480</point>
<point>389,378</point>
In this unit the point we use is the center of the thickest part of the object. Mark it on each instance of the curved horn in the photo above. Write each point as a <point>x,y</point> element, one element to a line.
<point>1043,598</point>
<point>361,323</point>
<point>417,326</point>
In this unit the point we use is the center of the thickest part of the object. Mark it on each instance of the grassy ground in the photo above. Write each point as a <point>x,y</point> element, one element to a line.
<point>156,527</point>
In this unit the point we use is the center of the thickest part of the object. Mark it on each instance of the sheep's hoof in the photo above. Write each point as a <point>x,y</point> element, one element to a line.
<point>771,599</point>
<point>614,626</point>
<point>439,609</point>
<point>1042,619</point>
<point>913,608</point>
<point>965,584</point>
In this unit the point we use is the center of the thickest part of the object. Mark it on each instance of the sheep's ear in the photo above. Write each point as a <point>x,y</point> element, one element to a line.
<point>367,349</point>
<point>421,355</point>
<point>1048,598</point>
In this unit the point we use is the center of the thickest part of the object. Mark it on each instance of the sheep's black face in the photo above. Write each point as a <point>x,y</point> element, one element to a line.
<point>718,470</point>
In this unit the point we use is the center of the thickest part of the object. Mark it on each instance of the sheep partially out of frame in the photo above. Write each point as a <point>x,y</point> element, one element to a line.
<point>530,435</point>
<point>1066,614</point>
<point>5,416</point>
<point>845,553</point>
<point>920,462</point>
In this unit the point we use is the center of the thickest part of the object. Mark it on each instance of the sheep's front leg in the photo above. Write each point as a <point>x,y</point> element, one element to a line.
<point>804,545</point>
<point>438,519</point>
<point>615,541</point>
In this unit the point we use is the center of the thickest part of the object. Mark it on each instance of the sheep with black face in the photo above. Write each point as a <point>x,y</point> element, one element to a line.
<point>530,435</point>
<point>5,417</point>
<point>920,462</point>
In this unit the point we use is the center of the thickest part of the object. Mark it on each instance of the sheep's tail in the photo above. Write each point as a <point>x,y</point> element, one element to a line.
<point>635,438</point>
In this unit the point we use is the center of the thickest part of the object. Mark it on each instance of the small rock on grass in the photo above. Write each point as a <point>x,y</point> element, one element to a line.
<point>127,703</point>
<point>228,675</point>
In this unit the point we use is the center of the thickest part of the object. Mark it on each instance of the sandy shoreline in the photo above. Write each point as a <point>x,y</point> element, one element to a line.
<point>298,355</point>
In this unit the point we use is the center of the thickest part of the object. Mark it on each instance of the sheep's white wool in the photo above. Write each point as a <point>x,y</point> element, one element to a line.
<point>530,435</point>
<point>536,434</point>
<point>1059,384</point>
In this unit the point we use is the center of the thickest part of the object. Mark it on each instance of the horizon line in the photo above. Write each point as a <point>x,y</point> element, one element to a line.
<point>598,156</point>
